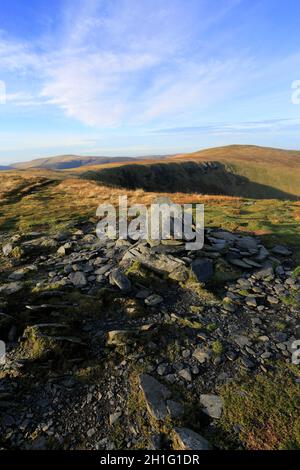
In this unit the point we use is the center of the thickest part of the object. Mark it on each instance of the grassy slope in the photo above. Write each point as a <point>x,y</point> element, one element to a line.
<point>272,167</point>
<point>26,204</point>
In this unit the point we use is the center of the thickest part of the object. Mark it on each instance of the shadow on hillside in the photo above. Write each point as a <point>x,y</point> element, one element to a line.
<point>187,177</point>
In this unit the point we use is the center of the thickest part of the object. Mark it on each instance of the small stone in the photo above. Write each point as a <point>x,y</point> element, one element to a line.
<point>155,395</point>
<point>263,338</point>
<point>186,439</point>
<point>251,301</point>
<point>61,251</point>
<point>247,363</point>
<point>118,278</point>
<point>11,288</point>
<point>161,370</point>
<point>7,249</point>
<point>201,355</point>
<point>78,279</point>
<point>91,432</point>
<point>153,300</point>
<point>114,417</point>
<point>212,405</point>
<point>281,250</point>
<point>185,374</point>
<point>272,300</point>
<point>242,341</point>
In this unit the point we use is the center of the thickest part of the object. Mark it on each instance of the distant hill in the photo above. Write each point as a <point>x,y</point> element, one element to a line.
<point>5,167</point>
<point>253,153</point>
<point>270,167</point>
<point>65,162</point>
<point>236,170</point>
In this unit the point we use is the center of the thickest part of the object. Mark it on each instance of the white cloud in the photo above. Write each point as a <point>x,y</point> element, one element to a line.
<point>130,66</point>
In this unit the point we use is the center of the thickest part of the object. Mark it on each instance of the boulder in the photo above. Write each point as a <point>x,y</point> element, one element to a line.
<point>11,288</point>
<point>78,279</point>
<point>203,269</point>
<point>119,279</point>
<point>212,405</point>
<point>156,395</point>
<point>186,439</point>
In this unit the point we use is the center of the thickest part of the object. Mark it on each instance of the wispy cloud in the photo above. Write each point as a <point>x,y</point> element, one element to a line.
<point>232,128</point>
<point>118,65</point>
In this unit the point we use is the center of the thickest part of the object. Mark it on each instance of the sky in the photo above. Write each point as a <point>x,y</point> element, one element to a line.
<point>144,77</point>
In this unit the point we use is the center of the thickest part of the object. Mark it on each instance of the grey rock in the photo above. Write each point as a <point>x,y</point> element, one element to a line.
<point>203,269</point>
<point>114,417</point>
<point>155,395</point>
<point>78,279</point>
<point>262,254</point>
<point>103,269</point>
<point>186,439</point>
<point>201,355</point>
<point>212,405</point>
<point>281,250</point>
<point>247,243</point>
<point>162,264</point>
<point>11,288</point>
<point>251,301</point>
<point>272,300</point>
<point>7,249</point>
<point>118,278</point>
<point>247,363</point>
<point>185,374</point>
<point>264,273</point>
<point>242,341</point>
<point>175,409</point>
<point>153,300</point>
<point>238,262</point>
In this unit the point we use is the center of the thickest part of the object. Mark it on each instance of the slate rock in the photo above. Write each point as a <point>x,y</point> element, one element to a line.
<point>201,355</point>
<point>212,405</point>
<point>7,249</point>
<point>11,288</point>
<point>186,439</point>
<point>281,250</point>
<point>119,279</point>
<point>153,300</point>
<point>78,279</point>
<point>203,269</point>
<point>156,395</point>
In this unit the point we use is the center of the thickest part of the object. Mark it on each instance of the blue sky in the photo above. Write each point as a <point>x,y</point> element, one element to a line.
<point>138,77</point>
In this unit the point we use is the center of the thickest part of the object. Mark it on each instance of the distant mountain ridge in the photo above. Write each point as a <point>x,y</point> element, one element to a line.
<point>5,167</point>
<point>65,162</point>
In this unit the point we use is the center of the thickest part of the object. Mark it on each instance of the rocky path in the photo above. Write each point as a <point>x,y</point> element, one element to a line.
<point>127,345</point>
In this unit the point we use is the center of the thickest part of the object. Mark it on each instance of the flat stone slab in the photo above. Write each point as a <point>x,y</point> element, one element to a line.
<point>186,439</point>
<point>156,396</point>
<point>11,288</point>
<point>212,405</point>
<point>78,279</point>
<point>119,279</point>
<point>203,269</point>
